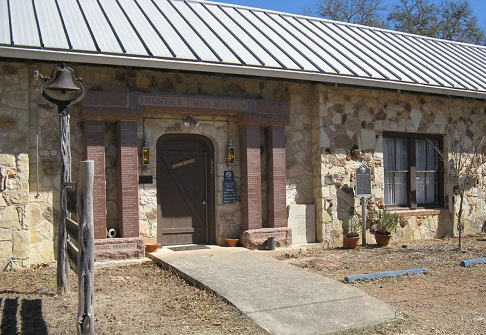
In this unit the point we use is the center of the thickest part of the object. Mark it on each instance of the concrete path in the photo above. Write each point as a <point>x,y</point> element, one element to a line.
<point>280,298</point>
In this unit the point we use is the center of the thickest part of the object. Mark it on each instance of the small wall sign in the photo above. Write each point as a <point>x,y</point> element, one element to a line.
<point>183,163</point>
<point>229,188</point>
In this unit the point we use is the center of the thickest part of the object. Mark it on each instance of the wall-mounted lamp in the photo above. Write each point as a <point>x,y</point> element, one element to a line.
<point>230,156</point>
<point>145,152</point>
<point>189,121</point>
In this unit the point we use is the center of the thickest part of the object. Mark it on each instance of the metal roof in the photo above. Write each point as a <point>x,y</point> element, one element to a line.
<point>221,38</point>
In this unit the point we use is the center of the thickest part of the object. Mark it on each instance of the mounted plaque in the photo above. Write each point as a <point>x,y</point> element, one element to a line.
<point>363,181</point>
<point>229,188</point>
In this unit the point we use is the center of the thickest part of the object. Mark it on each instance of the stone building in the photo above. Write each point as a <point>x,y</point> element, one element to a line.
<point>255,121</point>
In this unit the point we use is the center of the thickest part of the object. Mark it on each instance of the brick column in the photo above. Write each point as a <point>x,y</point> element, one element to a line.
<point>277,210</point>
<point>94,132</point>
<point>251,183</point>
<point>128,216</point>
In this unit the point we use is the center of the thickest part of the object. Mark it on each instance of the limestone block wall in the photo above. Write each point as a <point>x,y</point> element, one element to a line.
<point>351,118</point>
<point>299,146</point>
<point>14,212</point>
<point>327,123</point>
<point>14,168</point>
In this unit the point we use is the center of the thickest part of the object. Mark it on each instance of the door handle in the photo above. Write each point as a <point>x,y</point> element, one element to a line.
<point>204,202</point>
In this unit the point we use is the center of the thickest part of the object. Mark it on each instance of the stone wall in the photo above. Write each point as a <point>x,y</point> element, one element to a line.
<point>327,123</point>
<point>14,211</point>
<point>349,119</point>
<point>14,168</point>
<point>220,129</point>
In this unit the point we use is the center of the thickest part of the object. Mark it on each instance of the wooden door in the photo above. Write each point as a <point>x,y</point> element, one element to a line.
<point>185,189</point>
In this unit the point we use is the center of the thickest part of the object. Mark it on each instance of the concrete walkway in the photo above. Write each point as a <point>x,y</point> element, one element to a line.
<point>280,298</point>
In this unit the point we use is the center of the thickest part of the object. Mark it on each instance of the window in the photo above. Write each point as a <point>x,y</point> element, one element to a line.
<point>413,170</point>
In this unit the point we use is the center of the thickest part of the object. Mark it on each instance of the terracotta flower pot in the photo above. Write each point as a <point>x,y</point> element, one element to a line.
<point>232,242</point>
<point>351,241</point>
<point>151,247</point>
<point>382,240</point>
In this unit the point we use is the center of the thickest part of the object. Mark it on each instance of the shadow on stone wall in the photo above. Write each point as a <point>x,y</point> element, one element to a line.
<point>345,201</point>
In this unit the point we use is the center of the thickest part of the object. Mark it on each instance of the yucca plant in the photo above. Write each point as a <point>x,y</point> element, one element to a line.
<point>386,222</point>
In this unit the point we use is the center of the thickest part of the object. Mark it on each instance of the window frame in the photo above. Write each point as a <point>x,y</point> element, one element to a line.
<point>412,169</point>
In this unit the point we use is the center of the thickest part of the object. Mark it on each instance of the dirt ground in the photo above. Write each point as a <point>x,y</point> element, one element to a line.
<point>145,299</point>
<point>447,299</point>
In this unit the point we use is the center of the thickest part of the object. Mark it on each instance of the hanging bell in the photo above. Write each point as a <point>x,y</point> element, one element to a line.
<point>63,82</point>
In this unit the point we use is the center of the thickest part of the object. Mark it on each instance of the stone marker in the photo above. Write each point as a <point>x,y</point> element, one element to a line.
<point>302,222</point>
<point>257,238</point>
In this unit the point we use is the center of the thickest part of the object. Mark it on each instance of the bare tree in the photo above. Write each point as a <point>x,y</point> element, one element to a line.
<point>451,19</point>
<point>458,23</point>
<point>366,12</point>
<point>415,17</point>
<point>465,157</point>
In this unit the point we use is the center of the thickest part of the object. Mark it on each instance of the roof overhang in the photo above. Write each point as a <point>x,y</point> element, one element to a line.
<point>205,67</point>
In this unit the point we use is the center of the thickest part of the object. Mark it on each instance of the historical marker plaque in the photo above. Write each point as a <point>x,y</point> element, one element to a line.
<point>363,181</point>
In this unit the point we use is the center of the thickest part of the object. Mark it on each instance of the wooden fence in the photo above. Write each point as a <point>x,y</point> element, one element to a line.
<point>80,245</point>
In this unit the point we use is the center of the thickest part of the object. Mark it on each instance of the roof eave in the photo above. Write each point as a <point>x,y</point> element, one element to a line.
<point>114,60</point>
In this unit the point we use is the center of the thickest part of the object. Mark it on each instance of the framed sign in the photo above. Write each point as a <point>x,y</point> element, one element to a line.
<point>229,188</point>
<point>363,181</point>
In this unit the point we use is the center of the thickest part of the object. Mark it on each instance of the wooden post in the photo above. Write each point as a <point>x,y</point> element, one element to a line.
<point>85,320</point>
<point>65,152</point>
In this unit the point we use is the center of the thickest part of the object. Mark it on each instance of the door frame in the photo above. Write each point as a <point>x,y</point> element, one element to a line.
<point>210,177</point>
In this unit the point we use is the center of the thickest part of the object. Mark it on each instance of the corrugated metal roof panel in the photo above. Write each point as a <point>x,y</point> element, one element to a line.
<point>171,39</point>
<point>50,25</point>
<point>226,17</point>
<point>215,37</point>
<point>258,32</point>
<point>199,46</point>
<point>226,36</point>
<point>408,55</point>
<point>77,31</point>
<point>208,34</point>
<point>301,39</point>
<point>24,24</point>
<point>100,27</point>
<point>338,50</point>
<point>288,44</point>
<point>122,28</point>
<point>364,53</point>
<point>4,23</point>
<point>144,29</point>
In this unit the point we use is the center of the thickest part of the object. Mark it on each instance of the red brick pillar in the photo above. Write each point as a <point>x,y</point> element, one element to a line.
<point>277,210</point>
<point>128,216</point>
<point>94,132</point>
<point>251,183</point>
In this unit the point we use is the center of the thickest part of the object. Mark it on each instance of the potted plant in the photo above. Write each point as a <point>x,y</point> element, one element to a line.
<point>351,238</point>
<point>384,226</point>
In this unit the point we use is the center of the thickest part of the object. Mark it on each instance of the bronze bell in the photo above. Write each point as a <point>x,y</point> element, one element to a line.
<point>63,82</point>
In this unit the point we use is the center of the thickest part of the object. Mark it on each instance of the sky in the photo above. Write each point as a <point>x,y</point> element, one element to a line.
<point>297,6</point>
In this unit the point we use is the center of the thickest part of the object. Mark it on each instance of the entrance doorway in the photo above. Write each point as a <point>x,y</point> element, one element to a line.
<point>185,189</point>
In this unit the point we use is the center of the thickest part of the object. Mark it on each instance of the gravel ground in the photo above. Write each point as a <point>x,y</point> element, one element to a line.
<point>145,299</point>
